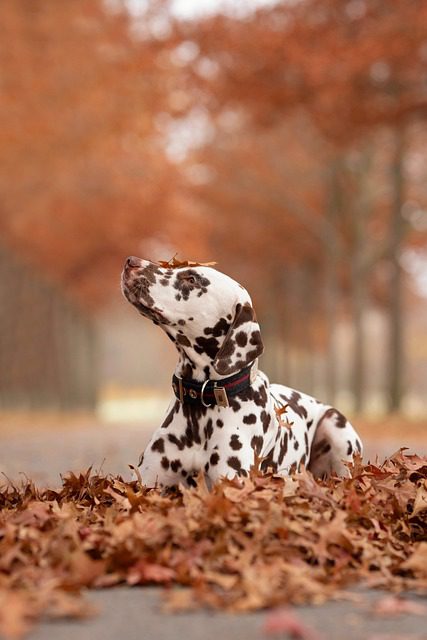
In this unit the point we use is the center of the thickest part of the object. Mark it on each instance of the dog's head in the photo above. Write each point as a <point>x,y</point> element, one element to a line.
<point>207,314</point>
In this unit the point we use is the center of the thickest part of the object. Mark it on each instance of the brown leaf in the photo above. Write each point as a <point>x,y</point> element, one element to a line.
<point>280,412</point>
<point>17,611</point>
<point>143,572</point>
<point>417,561</point>
<point>174,263</point>
<point>420,503</point>
<point>286,621</point>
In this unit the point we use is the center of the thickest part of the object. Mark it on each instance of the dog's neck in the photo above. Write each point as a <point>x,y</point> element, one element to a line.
<point>195,367</point>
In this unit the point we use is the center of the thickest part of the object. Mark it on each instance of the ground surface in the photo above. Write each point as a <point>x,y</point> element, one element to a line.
<point>136,615</point>
<point>44,453</point>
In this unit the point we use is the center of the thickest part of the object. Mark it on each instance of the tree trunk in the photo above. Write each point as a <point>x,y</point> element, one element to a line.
<point>360,261</point>
<point>396,280</point>
<point>331,283</point>
<point>359,307</point>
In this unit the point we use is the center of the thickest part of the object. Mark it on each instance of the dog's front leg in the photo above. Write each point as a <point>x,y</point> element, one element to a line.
<point>164,461</point>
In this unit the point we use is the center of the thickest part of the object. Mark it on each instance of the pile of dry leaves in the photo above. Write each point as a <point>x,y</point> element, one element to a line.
<point>248,543</point>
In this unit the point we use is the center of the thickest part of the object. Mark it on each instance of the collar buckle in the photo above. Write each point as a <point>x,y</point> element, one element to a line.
<point>221,396</point>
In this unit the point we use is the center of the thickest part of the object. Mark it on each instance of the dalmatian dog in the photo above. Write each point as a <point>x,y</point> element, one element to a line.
<point>225,415</point>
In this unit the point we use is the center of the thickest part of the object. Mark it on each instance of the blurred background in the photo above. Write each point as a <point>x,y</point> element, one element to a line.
<point>286,140</point>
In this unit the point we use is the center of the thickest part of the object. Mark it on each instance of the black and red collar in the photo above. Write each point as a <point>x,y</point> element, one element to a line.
<point>213,392</point>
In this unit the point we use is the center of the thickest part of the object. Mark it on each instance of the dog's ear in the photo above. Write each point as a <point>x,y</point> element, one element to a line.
<point>242,344</point>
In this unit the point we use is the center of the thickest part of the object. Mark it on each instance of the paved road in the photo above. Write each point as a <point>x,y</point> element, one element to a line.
<point>135,614</point>
<point>45,454</point>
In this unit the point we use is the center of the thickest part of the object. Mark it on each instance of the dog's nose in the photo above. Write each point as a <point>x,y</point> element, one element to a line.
<point>132,262</point>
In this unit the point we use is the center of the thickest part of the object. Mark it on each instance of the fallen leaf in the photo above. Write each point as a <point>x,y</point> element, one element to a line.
<point>286,621</point>
<point>174,263</point>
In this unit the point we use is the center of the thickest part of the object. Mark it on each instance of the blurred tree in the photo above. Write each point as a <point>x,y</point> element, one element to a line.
<point>84,182</point>
<point>85,179</point>
<point>354,68</point>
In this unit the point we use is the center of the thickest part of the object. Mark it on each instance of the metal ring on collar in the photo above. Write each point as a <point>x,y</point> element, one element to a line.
<point>201,394</point>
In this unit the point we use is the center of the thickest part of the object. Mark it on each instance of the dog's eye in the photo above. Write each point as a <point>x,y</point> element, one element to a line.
<point>191,279</point>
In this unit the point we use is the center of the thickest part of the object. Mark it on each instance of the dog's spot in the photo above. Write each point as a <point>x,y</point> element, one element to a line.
<point>307,446</point>
<point>293,403</point>
<point>150,271</point>
<point>283,448</point>
<point>255,338</point>
<point>189,280</point>
<point>165,463</point>
<point>178,297</point>
<point>340,421</point>
<point>169,417</point>
<point>244,314</point>
<point>214,459</point>
<point>209,429</point>
<point>173,439</point>
<point>219,423</point>
<point>181,322</point>
<point>350,448</point>
<point>207,467</point>
<point>260,397</point>
<point>158,445</point>
<point>209,346</point>
<point>187,371</point>
<point>320,448</point>
<point>309,423</point>
<point>296,445</point>
<point>183,340</point>
<point>359,446</point>
<point>235,443</point>
<point>257,444</point>
<point>234,404</point>
<point>234,463</point>
<point>175,465</point>
<point>249,419</point>
<point>241,339</point>
<point>220,329</point>
<point>191,482</point>
<point>265,420</point>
